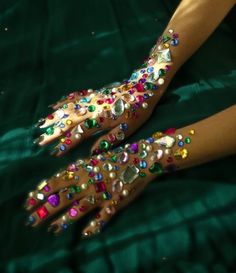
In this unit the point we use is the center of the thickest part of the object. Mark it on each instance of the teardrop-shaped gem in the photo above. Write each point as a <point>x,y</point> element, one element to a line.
<point>117,186</point>
<point>118,108</point>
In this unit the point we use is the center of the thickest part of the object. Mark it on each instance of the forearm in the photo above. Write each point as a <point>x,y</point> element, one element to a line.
<point>194,21</point>
<point>210,139</point>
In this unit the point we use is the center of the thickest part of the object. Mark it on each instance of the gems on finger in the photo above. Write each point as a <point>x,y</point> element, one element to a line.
<point>54,200</point>
<point>166,141</point>
<point>117,185</point>
<point>129,174</point>
<point>60,113</point>
<point>73,212</point>
<point>42,185</point>
<point>40,196</point>
<point>118,108</point>
<point>125,192</point>
<point>84,186</point>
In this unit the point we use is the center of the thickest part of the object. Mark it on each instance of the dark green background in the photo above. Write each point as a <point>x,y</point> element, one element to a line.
<point>184,222</point>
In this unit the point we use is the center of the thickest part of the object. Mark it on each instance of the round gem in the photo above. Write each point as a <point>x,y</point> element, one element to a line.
<point>73,212</point>
<point>91,108</point>
<point>124,126</point>
<point>156,168</point>
<point>174,42</point>
<point>180,143</point>
<point>143,164</point>
<point>104,145</point>
<point>187,140</point>
<point>50,131</point>
<point>54,200</point>
<point>62,148</point>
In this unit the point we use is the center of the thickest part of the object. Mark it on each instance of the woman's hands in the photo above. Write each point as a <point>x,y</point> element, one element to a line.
<point>109,181</point>
<point>119,109</point>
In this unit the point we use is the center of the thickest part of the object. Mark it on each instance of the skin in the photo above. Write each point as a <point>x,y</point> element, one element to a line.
<point>189,17</point>
<point>208,143</point>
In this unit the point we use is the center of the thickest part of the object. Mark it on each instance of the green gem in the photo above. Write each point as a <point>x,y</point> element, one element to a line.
<point>114,158</point>
<point>148,86</point>
<point>65,106</point>
<point>161,72</point>
<point>70,221</point>
<point>142,174</point>
<point>50,131</point>
<point>73,189</point>
<point>156,168</point>
<point>77,189</point>
<point>90,123</point>
<point>106,91</point>
<point>104,145</point>
<point>165,38</point>
<point>187,140</point>
<point>91,108</point>
<point>144,65</point>
<point>90,181</point>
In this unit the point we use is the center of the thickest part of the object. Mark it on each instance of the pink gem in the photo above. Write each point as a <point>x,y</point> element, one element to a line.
<point>175,35</point>
<point>140,98</point>
<point>100,187</point>
<point>46,188</point>
<point>139,87</point>
<point>91,174</point>
<point>131,91</point>
<point>72,167</point>
<point>170,131</point>
<point>94,161</point>
<point>73,212</point>
<point>111,137</point>
<point>145,76</point>
<point>110,100</point>
<point>168,67</point>
<point>68,134</point>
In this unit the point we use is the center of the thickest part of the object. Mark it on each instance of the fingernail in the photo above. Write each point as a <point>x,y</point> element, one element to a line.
<point>53,228</point>
<point>38,140</point>
<point>54,152</point>
<point>40,122</point>
<point>30,220</point>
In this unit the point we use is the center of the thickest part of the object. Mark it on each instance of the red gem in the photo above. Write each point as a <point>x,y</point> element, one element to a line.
<point>145,76</point>
<point>98,215</point>
<point>139,87</point>
<point>170,159</point>
<point>136,160</point>
<point>32,202</point>
<point>82,208</point>
<point>170,131</point>
<point>83,92</point>
<point>100,187</point>
<point>140,98</point>
<point>99,102</point>
<point>101,119</point>
<point>42,212</point>
<point>94,161</point>
<point>50,116</point>
<point>71,96</point>
<point>68,141</point>
<point>91,174</point>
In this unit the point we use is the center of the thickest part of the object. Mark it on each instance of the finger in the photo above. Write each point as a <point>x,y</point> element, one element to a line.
<point>72,138</point>
<point>65,179</point>
<point>102,218</point>
<point>74,213</point>
<point>111,139</point>
<point>59,128</point>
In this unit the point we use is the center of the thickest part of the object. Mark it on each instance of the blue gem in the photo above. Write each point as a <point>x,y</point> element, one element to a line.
<point>142,71</point>
<point>31,219</point>
<point>65,116</point>
<point>62,148</point>
<point>150,140</point>
<point>107,195</point>
<point>69,196</point>
<point>134,76</point>
<point>146,96</point>
<point>116,168</point>
<point>143,164</point>
<point>77,107</point>
<point>98,177</point>
<point>62,125</point>
<point>150,69</point>
<point>154,87</point>
<point>174,42</point>
<point>124,126</point>
<point>64,226</point>
<point>181,143</point>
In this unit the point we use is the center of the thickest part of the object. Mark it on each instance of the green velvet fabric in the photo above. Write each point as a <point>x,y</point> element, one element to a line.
<point>182,222</point>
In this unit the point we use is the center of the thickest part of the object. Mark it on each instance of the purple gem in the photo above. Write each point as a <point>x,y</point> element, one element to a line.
<point>137,105</point>
<point>54,200</point>
<point>46,188</point>
<point>134,147</point>
<point>142,80</point>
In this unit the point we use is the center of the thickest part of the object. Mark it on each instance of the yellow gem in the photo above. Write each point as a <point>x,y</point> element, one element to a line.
<point>70,175</point>
<point>69,122</point>
<point>157,135</point>
<point>166,45</point>
<point>63,140</point>
<point>42,185</point>
<point>192,132</point>
<point>181,153</point>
